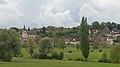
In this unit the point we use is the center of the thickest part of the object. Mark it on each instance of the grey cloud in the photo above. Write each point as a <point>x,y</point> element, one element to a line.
<point>68,13</point>
<point>2,1</point>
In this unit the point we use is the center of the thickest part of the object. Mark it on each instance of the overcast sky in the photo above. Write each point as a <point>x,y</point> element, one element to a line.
<point>67,13</point>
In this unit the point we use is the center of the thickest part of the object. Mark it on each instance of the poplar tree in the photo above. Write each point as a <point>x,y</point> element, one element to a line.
<point>84,38</point>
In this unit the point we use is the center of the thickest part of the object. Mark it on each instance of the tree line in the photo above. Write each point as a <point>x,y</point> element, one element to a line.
<point>100,26</point>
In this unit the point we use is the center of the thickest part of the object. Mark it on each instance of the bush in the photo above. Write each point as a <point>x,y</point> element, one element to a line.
<point>100,50</point>
<point>78,59</point>
<point>91,50</point>
<point>61,56</point>
<point>115,54</point>
<point>69,51</point>
<point>70,59</point>
<point>78,46</point>
<point>99,60</point>
<point>103,58</point>
<point>43,56</point>
<point>96,45</point>
<point>55,56</point>
<point>49,57</point>
<point>36,56</point>
<point>21,55</point>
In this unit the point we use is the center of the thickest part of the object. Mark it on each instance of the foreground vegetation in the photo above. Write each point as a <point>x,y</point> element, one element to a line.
<point>24,62</point>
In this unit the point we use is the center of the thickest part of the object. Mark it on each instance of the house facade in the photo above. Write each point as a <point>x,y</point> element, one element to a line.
<point>72,41</point>
<point>27,34</point>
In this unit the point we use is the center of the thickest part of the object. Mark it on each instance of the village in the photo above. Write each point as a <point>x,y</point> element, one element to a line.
<point>107,37</point>
<point>81,43</point>
<point>59,33</point>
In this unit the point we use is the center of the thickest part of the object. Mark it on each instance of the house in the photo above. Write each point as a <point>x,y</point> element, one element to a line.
<point>27,34</point>
<point>32,34</point>
<point>115,31</point>
<point>106,30</point>
<point>95,31</point>
<point>72,41</point>
<point>24,37</point>
<point>110,39</point>
<point>107,40</point>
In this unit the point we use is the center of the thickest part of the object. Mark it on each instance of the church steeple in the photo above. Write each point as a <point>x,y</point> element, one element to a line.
<point>24,28</point>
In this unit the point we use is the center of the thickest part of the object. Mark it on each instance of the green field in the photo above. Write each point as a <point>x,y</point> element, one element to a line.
<point>28,62</point>
<point>94,56</point>
<point>23,62</point>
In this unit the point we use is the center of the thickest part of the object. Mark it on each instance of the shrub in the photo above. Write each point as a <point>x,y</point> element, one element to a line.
<point>78,46</point>
<point>55,56</point>
<point>95,45</point>
<point>49,57</point>
<point>21,55</point>
<point>36,56</point>
<point>115,54</point>
<point>91,50</point>
<point>69,51</point>
<point>61,56</point>
<point>100,50</point>
<point>78,59</point>
<point>103,58</point>
<point>43,56</point>
<point>70,59</point>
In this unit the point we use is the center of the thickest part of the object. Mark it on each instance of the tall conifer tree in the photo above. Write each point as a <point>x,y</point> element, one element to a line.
<point>84,38</point>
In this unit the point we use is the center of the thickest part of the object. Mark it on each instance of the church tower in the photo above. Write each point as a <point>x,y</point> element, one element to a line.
<point>24,28</point>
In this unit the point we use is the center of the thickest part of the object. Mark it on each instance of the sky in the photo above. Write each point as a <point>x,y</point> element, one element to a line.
<point>66,13</point>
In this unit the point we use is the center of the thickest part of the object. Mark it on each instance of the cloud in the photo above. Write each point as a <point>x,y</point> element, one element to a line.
<point>50,14</point>
<point>57,19</point>
<point>67,13</point>
<point>101,10</point>
<point>88,11</point>
<point>9,13</point>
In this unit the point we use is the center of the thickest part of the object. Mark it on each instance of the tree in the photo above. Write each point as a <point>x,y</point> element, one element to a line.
<point>24,28</point>
<point>10,45</point>
<point>115,54</point>
<point>118,26</point>
<point>114,25</point>
<point>95,45</point>
<point>109,25</point>
<point>15,42</point>
<point>28,28</point>
<point>61,43</point>
<point>44,31</point>
<point>45,45</point>
<point>96,25</point>
<point>51,34</point>
<point>14,28</point>
<point>31,46</point>
<point>84,38</point>
<point>102,25</point>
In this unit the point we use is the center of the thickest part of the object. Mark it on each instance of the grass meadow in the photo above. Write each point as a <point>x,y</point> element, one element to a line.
<point>26,61</point>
